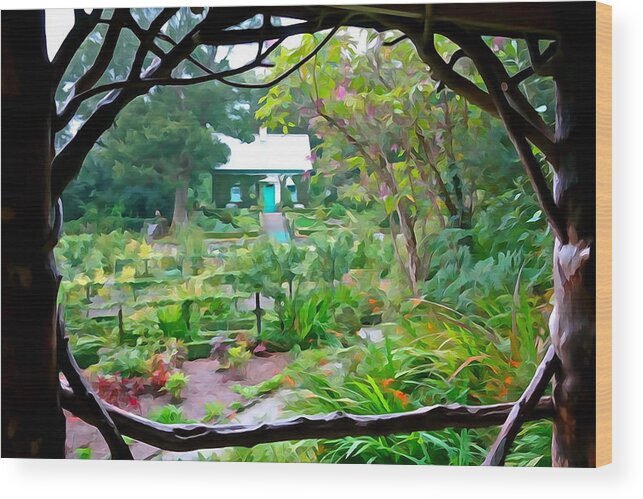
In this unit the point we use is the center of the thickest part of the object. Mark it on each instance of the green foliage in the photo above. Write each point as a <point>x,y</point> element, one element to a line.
<point>85,349</point>
<point>301,451</point>
<point>254,391</point>
<point>213,411</point>
<point>127,361</point>
<point>238,356</point>
<point>169,414</point>
<point>175,384</point>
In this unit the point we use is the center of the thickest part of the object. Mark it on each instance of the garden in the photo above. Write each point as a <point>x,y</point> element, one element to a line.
<point>418,273</point>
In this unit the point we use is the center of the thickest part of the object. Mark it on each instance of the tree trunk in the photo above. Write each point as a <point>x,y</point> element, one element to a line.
<point>180,216</point>
<point>573,320</point>
<point>32,421</point>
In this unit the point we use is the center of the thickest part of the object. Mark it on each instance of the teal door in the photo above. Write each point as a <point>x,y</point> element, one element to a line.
<point>269,204</point>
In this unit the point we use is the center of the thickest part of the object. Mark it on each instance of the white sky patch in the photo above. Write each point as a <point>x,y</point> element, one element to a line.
<point>58,23</point>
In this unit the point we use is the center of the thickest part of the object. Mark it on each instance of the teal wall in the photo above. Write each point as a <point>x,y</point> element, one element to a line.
<point>222,183</point>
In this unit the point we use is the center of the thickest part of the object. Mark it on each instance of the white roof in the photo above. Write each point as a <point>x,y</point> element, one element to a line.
<point>272,153</point>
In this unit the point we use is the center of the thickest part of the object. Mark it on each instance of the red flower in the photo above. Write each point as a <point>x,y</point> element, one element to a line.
<point>402,397</point>
<point>387,382</point>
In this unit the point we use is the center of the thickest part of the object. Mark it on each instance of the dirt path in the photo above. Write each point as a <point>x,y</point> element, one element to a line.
<point>205,384</point>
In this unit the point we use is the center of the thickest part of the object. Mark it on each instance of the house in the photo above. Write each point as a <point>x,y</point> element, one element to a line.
<point>272,169</point>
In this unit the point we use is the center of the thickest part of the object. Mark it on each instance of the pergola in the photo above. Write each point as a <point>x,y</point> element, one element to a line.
<point>34,347</point>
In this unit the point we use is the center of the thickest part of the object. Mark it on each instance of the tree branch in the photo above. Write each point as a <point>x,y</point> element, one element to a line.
<point>444,73</point>
<point>290,71</point>
<point>521,409</point>
<point>69,160</point>
<point>83,25</point>
<point>542,64</point>
<point>93,74</point>
<point>396,41</point>
<point>189,437</point>
<point>92,404</point>
<point>487,64</point>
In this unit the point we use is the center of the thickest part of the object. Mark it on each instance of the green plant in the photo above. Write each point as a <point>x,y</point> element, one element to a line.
<point>172,321</point>
<point>213,411</point>
<point>254,391</point>
<point>127,361</point>
<point>238,356</point>
<point>175,384</point>
<point>169,414</point>
<point>85,349</point>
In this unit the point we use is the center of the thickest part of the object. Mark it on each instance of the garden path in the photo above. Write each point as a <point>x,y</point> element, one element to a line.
<point>205,384</point>
<point>274,224</point>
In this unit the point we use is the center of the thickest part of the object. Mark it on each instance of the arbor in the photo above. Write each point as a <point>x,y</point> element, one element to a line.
<point>562,44</point>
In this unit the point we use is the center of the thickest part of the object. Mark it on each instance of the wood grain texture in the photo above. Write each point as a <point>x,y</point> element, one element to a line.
<point>603,234</point>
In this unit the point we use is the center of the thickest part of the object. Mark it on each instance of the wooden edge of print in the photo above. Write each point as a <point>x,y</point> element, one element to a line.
<point>603,234</point>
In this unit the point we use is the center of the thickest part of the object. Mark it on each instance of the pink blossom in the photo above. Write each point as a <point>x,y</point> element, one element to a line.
<point>498,42</point>
<point>340,92</point>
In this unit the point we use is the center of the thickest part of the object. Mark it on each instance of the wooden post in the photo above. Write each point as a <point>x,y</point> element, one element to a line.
<point>573,319</point>
<point>32,421</point>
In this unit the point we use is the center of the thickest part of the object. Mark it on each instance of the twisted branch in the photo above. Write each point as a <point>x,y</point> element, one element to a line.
<point>92,404</point>
<point>522,408</point>
<point>189,437</point>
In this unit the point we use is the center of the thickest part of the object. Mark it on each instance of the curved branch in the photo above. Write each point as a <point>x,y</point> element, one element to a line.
<point>290,71</point>
<point>528,71</point>
<point>105,53</point>
<point>95,409</point>
<point>83,25</point>
<point>143,85</point>
<point>189,437</point>
<point>441,71</point>
<point>487,64</point>
<point>396,41</point>
<point>525,404</point>
<point>542,64</point>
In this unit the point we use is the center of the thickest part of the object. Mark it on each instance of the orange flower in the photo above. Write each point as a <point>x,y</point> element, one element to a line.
<point>372,301</point>
<point>323,362</point>
<point>387,382</point>
<point>376,309</point>
<point>514,363</point>
<point>288,381</point>
<point>508,380</point>
<point>401,396</point>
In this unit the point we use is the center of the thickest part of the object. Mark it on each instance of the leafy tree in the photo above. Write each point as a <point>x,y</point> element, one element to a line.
<point>159,140</point>
<point>391,135</point>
